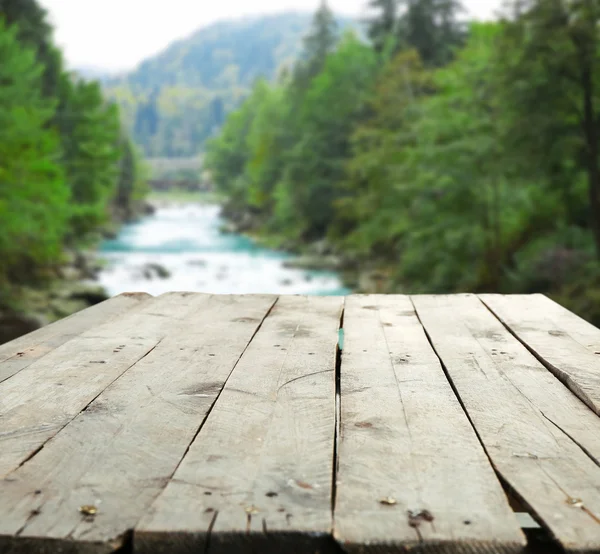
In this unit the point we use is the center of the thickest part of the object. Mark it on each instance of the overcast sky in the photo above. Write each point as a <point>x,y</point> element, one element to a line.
<point>118,34</point>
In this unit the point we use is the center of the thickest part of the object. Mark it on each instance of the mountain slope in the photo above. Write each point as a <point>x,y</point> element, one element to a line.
<point>176,100</point>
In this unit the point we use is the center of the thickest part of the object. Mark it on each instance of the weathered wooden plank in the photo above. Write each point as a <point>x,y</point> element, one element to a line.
<point>258,478</point>
<point>40,400</point>
<point>496,379</point>
<point>560,339</point>
<point>564,320</point>
<point>119,454</point>
<point>22,352</point>
<point>535,382</point>
<point>412,473</point>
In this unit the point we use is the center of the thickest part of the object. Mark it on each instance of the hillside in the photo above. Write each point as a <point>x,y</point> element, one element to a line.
<point>174,101</point>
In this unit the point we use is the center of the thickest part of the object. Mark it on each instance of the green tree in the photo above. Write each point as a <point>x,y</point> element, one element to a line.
<point>90,131</point>
<point>320,41</point>
<point>370,218</point>
<point>35,31</point>
<point>462,205</point>
<point>333,104</point>
<point>554,129</point>
<point>88,126</point>
<point>227,155</point>
<point>132,181</point>
<point>33,195</point>
<point>432,28</point>
<point>382,26</point>
<point>267,143</point>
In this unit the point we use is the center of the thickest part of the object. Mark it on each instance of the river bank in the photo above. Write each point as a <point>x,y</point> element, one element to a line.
<point>69,290</point>
<point>184,243</point>
<point>70,286</point>
<point>358,275</point>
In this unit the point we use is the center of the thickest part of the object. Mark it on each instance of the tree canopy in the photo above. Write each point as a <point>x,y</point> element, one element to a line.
<point>64,171</point>
<point>452,157</point>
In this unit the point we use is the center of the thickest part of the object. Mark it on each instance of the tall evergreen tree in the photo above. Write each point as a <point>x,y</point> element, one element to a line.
<point>127,178</point>
<point>33,195</point>
<point>315,165</point>
<point>35,31</point>
<point>320,41</point>
<point>556,42</point>
<point>88,127</point>
<point>382,25</point>
<point>432,28</point>
<point>90,130</point>
<point>131,184</point>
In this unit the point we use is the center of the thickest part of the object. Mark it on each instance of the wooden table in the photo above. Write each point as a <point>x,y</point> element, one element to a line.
<point>193,423</point>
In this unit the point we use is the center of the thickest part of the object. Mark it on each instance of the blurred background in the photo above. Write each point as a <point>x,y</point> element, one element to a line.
<point>299,147</point>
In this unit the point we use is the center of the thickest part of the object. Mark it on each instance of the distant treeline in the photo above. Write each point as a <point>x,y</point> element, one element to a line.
<point>453,157</point>
<point>176,100</point>
<point>66,165</point>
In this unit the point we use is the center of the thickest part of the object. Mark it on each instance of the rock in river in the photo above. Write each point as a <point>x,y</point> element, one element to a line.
<point>150,271</point>
<point>315,263</point>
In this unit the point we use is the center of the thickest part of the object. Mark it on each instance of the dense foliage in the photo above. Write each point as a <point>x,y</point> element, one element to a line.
<point>460,159</point>
<point>65,165</point>
<point>176,100</point>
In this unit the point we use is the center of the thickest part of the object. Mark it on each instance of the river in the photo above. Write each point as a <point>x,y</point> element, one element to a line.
<point>186,240</point>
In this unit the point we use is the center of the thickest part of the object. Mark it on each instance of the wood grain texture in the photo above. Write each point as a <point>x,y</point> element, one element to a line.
<point>412,473</point>
<point>555,401</point>
<point>566,344</point>
<point>566,321</point>
<point>22,352</point>
<point>258,477</point>
<point>496,379</point>
<point>40,400</point>
<point>120,453</point>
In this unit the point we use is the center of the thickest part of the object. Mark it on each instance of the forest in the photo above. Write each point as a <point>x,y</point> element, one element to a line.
<point>174,101</point>
<point>67,166</point>
<point>449,156</point>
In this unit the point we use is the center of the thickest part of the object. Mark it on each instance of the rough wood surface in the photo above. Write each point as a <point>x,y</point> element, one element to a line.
<point>22,352</point>
<point>494,377</point>
<point>412,473</point>
<point>555,401</point>
<point>566,344</point>
<point>40,400</point>
<point>258,477</point>
<point>119,453</point>
<point>190,423</point>
<point>576,327</point>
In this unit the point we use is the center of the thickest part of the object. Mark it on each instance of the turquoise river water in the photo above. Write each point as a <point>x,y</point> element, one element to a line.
<point>186,241</point>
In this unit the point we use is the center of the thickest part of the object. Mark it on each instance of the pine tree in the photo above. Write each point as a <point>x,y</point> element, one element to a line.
<point>126,180</point>
<point>382,27</point>
<point>320,41</point>
<point>557,42</point>
<point>88,127</point>
<point>33,195</point>
<point>35,31</point>
<point>90,131</point>
<point>335,101</point>
<point>131,184</point>
<point>432,28</point>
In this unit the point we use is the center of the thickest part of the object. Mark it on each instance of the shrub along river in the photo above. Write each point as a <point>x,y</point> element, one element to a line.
<point>182,248</point>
